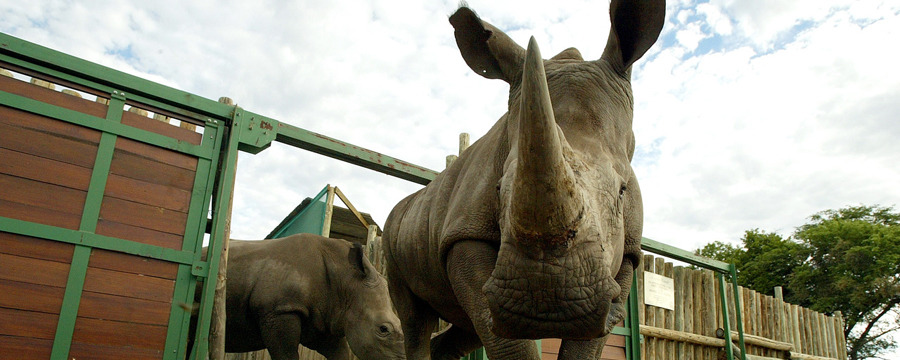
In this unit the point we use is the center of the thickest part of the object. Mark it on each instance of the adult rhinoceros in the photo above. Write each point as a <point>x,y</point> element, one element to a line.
<point>534,232</point>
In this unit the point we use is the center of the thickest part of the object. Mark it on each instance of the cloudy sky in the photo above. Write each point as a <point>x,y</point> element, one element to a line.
<point>748,114</point>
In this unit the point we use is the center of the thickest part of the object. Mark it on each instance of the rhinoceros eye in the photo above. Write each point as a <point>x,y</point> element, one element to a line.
<point>384,330</point>
<point>622,192</point>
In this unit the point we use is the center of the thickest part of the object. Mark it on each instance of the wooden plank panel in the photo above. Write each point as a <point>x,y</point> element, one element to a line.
<point>39,215</point>
<point>110,260</point>
<point>21,348</point>
<point>102,352</point>
<point>31,297</point>
<point>145,216</point>
<point>141,168</point>
<point>43,195</point>
<point>57,98</point>
<point>129,285</point>
<point>77,147</point>
<point>29,324</point>
<point>613,353</point>
<point>27,246</point>
<point>159,127</point>
<point>44,170</point>
<point>550,346</point>
<point>116,333</point>
<point>158,154</point>
<point>125,309</point>
<point>139,234</point>
<point>22,269</point>
<point>142,192</point>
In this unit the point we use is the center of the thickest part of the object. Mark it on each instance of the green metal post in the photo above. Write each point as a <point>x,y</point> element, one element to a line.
<point>225,177</point>
<point>737,311</point>
<point>634,322</point>
<point>68,315</point>
<point>729,354</point>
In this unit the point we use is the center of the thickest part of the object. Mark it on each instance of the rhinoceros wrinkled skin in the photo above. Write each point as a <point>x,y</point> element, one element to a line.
<point>534,232</point>
<point>311,290</point>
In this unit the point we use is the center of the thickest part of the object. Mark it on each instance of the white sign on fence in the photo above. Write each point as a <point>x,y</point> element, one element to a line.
<point>659,291</point>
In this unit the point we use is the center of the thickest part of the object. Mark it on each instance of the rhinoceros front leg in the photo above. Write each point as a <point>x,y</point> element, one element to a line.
<point>417,319</point>
<point>469,265</point>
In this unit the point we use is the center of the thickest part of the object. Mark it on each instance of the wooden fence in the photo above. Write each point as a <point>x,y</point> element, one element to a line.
<point>693,330</point>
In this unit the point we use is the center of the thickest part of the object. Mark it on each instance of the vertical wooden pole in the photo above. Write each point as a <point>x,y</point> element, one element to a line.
<point>217,324</point>
<point>839,333</point>
<point>678,314</point>
<point>651,313</point>
<point>699,350</point>
<point>669,272</point>
<point>329,211</point>
<point>795,320</point>
<point>689,311</point>
<point>709,309</point>
<point>463,142</point>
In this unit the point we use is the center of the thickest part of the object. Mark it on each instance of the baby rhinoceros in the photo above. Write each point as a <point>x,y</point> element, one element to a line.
<point>311,290</point>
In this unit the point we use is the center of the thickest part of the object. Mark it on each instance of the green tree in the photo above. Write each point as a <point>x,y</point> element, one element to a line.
<point>853,265</point>
<point>844,260</point>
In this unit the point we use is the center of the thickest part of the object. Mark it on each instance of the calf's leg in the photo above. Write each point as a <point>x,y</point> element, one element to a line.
<point>281,335</point>
<point>417,319</point>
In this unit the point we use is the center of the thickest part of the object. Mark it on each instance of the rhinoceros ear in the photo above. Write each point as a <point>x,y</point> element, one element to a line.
<point>635,27</point>
<point>356,259</point>
<point>486,49</point>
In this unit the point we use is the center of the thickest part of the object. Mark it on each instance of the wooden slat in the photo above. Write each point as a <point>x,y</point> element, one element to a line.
<point>22,348</point>
<point>141,168</point>
<point>125,309</point>
<point>30,324</point>
<point>130,285</point>
<point>42,195</point>
<point>139,234</point>
<point>53,97</point>
<point>613,353</point>
<point>78,147</point>
<point>27,246</point>
<point>22,269</point>
<point>30,297</point>
<point>39,215</point>
<point>115,333</point>
<point>158,154</point>
<point>105,352</point>
<point>159,127</point>
<point>44,170</point>
<point>142,192</point>
<point>110,260</point>
<point>145,216</point>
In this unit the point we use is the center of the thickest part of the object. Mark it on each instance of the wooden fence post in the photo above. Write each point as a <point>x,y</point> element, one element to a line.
<point>217,325</point>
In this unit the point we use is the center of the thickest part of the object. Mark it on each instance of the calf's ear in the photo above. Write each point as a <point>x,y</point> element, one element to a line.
<point>487,50</point>
<point>356,259</point>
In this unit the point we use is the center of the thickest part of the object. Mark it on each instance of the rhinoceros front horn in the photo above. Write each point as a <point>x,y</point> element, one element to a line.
<point>545,205</point>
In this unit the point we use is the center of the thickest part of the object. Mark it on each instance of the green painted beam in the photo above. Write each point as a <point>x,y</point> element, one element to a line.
<point>67,67</point>
<point>669,251</point>
<point>353,154</point>
<point>77,237</point>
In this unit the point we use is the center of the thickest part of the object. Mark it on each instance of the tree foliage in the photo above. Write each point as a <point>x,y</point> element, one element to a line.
<point>844,260</point>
